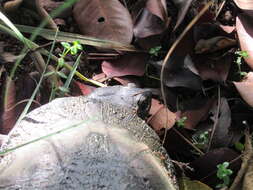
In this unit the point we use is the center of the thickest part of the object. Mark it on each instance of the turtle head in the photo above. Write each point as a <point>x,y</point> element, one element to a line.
<point>126,96</point>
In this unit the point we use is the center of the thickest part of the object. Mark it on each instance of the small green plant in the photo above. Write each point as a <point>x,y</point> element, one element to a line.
<point>201,140</point>
<point>239,146</point>
<point>155,50</point>
<point>240,55</point>
<point>181,122</point>
<point>224,173</point>
<point>68,48</point>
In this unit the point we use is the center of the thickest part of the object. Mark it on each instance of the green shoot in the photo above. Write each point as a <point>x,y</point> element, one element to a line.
<point>223,173</point>
<point>239,146</point>
<point>72,49</point>
<point>68,49</point>
<point>201,141</point>
<point>240,55</point>
<point>181,122</point>
<point>155,51</point>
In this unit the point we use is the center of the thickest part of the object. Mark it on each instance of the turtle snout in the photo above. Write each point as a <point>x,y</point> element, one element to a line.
<point>144,103</point>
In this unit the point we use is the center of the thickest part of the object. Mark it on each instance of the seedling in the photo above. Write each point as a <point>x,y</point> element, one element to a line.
<point>224,173</point>
<point>73,50</point>
<point>239,146</point>
<point>201,140</point>
<point>240,55</point>
<point>155,50</point>
<point>181,122</point>
<point>68,49</point>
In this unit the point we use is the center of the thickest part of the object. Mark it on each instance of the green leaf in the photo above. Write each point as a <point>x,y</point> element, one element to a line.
<point>155,50</point>
<point>49,74</point>
<point>73,50</point>
<point>239,146</point>
<point>61,62</point>
<point>77,45</point>
<point>181,122</point>
<point>62,75</point>
<point>65,45</point>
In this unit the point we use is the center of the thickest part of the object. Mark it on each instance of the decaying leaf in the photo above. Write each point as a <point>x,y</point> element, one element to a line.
<point>206,173</point>
<point>214,44</point>
<point>245,88</point>
<point>105,19</point>
<point>195,116</point>
<point>187,184</point>
<point>213,68</point>
<point>222,136</point>
<point>8,111</point>
<point>183,6</point>
<point>244,27</point>
<point>128,64</point>
<point>78,88</point>
<point>153,19</point>
<point>161,117</point>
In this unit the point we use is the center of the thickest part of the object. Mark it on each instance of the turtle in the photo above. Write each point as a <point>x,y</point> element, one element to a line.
<point>94,142</point>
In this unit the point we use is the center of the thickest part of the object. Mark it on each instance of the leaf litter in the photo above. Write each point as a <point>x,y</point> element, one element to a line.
<point>126,42</point>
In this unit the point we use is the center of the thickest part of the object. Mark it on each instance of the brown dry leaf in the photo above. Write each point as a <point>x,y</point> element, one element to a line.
<point>78,88</point>
<point>206,173</point>
<point>187,184</point>
<point>216,69</point>
<point>214,44</point>
<point>128,64</point>
<point>153,20</point>
<point>183,6</point>
<point>125,80</point>
<point>161,117</point>
<point>245,88</point>
<point>244,27</point>
<point>197,115</point>
<point>105,19</point>
<point>8,111</point>
<point>222,136</point>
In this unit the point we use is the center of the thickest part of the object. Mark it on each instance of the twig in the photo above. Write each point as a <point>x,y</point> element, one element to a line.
<point>247,156</point>
<point>189,142</point>
<point>171,50</point>
<point>220,9</point>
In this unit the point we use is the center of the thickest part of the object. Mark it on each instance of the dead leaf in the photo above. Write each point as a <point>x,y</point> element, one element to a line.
<point>206,173</point>
<point>187,184</point>
<point>213,68</point>
<point>197,115</point>
<point>78,88</point>
<point>244,27</point>
<point>214,44</point>
<point>153,19</point>
<point>101,77</point>
<point>161,117</point>
<point>125,80</point>
<point>128,64</point>
<point>8,113</point>
<point>245,88</point>
<point>105,19</point>
<point>183,6</point>
<point>222,136</point>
